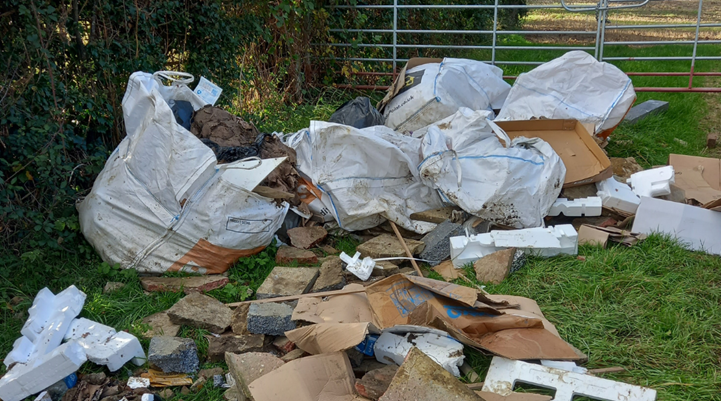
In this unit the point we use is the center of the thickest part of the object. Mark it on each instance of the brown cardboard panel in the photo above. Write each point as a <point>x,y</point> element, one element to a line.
<point>699,177</point>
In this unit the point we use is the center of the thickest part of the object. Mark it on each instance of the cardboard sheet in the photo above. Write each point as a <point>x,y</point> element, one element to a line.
<point>699,177</point>
<point>585,161</point>
<point>595,235</point>
<point>351,308</point>
<point>325,338</point>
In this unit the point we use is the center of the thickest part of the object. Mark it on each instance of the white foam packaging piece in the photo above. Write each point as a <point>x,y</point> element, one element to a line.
<point>654,182</point>
<point>617,195</point>
<point>393,348</point>
<point>591,206</point>
<point>361,269</point>
<point>104,346</point>
<point>540,241</point>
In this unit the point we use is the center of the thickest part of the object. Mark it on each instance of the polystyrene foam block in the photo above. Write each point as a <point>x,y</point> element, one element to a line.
<point>590,206</point>
<point>617,195</point>
<point>504,374</point>
<point>104,346</point>
<point>540,241</point>
<point>654,182</point>
<point>447,352</point>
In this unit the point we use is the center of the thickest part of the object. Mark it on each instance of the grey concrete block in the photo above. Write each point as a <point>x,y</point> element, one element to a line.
<point>438,242</point>
<point>173,354</point>
<point>645,109</point>
<point>272,319</point>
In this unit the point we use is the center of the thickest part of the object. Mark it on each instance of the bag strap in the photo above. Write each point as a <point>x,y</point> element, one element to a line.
<point>500,133</point>
<point>175,76</point>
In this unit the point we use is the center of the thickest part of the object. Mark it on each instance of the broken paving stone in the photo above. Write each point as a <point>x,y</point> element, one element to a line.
<point>248,367</point>
<point>112,286</point>
<point>239,321</point>
<point>160,325</point>
<point>218,346</point>
<point>292,355</point>
<point>185,284</point>
<point>422,379</point>
<point>201,311</point>
<point>376,382</point>
<point>208,373</point>
<point>288,254</point>
<point>233,394</point>
<point>331,276</point>
<point>435,215</point>
<point>185,390</point>
<point>494,268</point>
<point>198,385</point>
<point>384,268</point>
<point>173,354</point>
<point>166,394</point>
<point>645,109</point>
<point>272,319</point>
<point>283,344</point>
<point>438,242</point>
<point>623,168</point>
<point>388,246</point>
<point>329,250</point>
<point>307,237</point>
<point>285,281</point>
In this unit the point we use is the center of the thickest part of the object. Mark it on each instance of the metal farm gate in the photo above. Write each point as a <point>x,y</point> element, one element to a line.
<point>603,10</point>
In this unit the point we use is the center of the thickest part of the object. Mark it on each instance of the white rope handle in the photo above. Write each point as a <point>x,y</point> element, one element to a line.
<point>247,159</point>
<point>500,133</point>
<point>175,76</point>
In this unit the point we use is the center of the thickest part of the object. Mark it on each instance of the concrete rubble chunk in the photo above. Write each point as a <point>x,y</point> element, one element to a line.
<point>376,382</point>
<point>579,192</point>
<point>435,215</point>
<point>366,366</point>
<point>645,109</point>
<point>438,242</point>
<point>307,237</point>
<point>272,319</point>
<point>201,311</point>
<point>185,284</point>
<point>198,385</point>
<point>384,268</point>
<point>421,379</point>
<point>288,254</point>
<point>388,246</point>
<point>285,281</point>
<point>160,325</point>
<point>494,268</point>
<point>239,321</point>
<point>112,286</point>
<point>283,344</point>
<point>104,346</point>
<point>218,346</point>
<point>248,367</point>
<point>329,250</point>
<point>331,276</point>
<point>711,140</point>
<point>173,354</point>
<point>234,394</point>
<point>624,168</point>
<point>293,355</point>
<point>208,373</point>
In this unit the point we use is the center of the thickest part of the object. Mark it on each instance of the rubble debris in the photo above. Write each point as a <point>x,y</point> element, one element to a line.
<point>384,268</point>
<point>329,250</point>
<point>358,113</point>
<point>160,325</point>
<point>112,286</point>
<point>590,206</point>
<point>368,365</point>
<point>173,354</point>
<point>233,394</point>
<point>448,271</point>
<point>160,379</point>
<point>645,109</point>
<point>581,191</point>
<point>104,346</point>
<point>331,275</point>
<point>239,321</point>
<point>293,355</point>
<point>421,379</point>
<point>653,182</point>
<point>272,319</point>
<point>288,254</point>
<point>503,373</point>
<point>437,216</point>
<point>624,168</point>
<point>617,195</point>
<point>138,382</point>
<point>198,384</point>
<point>495,267</point>
<point>285,281</point>
<point>201,311</point>
<point>219,381</point>
<point>445,351</point>
<point>374,383</point>
<point>184,390</point>
<point>166,394</point>
<point>248,367</point>
<point>283,344</point>
<point>185,284</point>
<point>208,373</point>
<point>601,235</point>
<point>306,237</point>
<point>711,140</point>
<point>218,346</point>
<point>437,242</point>
<point>388,246</point>
<point>354,356</point>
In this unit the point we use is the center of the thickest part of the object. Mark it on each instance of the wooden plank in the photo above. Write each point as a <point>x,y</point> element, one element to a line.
<point>405,247</point>
<point>294,297</point>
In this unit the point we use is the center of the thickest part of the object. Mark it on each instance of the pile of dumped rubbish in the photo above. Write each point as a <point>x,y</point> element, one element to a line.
<point>453,168</point>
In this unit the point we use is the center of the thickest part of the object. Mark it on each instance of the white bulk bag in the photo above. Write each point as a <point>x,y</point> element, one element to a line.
<point>573,86</point>
<point>514,185</point>
<point>433,91</point>
<point>162,204</point>
<point>366,175</point>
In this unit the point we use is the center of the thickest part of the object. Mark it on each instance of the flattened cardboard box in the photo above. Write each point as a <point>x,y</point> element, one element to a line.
<point>400,80</point>
<point>699,177</point>
<point>585,161</point>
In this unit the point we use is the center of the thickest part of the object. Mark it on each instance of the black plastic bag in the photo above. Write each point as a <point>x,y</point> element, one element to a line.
<point>358,113</point>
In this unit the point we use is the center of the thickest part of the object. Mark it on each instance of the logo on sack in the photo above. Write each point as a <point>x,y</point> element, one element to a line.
<point>245,226</point>
<point>412,79</point>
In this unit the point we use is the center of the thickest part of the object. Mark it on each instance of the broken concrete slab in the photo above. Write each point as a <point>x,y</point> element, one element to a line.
<point>173,354</point>
<point>239,321</point>
<point>248,367</point>
<point>285,281</point>
<point>388,246</point>
<point>104,346</point>
<point>376,382</point>
<point>331,276</point>
<point>218,346</point>
<point>185,284</point>
<point>234,394</point>
<point>422,379</point>
<point>329,250</point>
<point>288,254</point>
<point>272,319</point>
<point>307,237</point>
<point>494,268</point>
<point>645,109</point>
<point>201,311</point>
<point>160,325</point>
<point>435,215</point>
<point>112,286</point>
<point>384,268</point>
<point>438,243</point>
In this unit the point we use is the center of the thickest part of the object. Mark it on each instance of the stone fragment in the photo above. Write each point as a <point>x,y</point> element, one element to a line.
<point>711,140</point>
<point>422,379</point>
<point>581,191</point>
<point>438,242</point>
<point>384,268</point>
<point>248,367</point>
<point>173,354</point>
<point>376,382</point>
<point>645,109</point>
<point>388,246</point>
<point>288,254</point>
<point>218,346</point>
<point>185,390</point>
<point>208,373</point>
<point>435,215</point>
<point>166,394</point>
<point>292,355</point>
<point>331,276</point>
<point>494,268</point>
<point>306,237</point>
<point>283,344</point>
<point>198,384</point>
<point>329,250</point>
<point>239,321</point>
<point>201,311</point>
<point>448,271</point>
<point>355,357</point>
<point>366,366</point>
<point>623,168</point>
<point>285,281</point>
<point>272,319</point>
<point>112,286</point>
<point>233,394</point>
<point>185,284</point>
<point>160,325</point>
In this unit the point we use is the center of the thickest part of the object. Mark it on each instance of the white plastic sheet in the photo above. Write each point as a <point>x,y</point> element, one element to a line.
<point>161,202</point>
<point>573,86</point>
